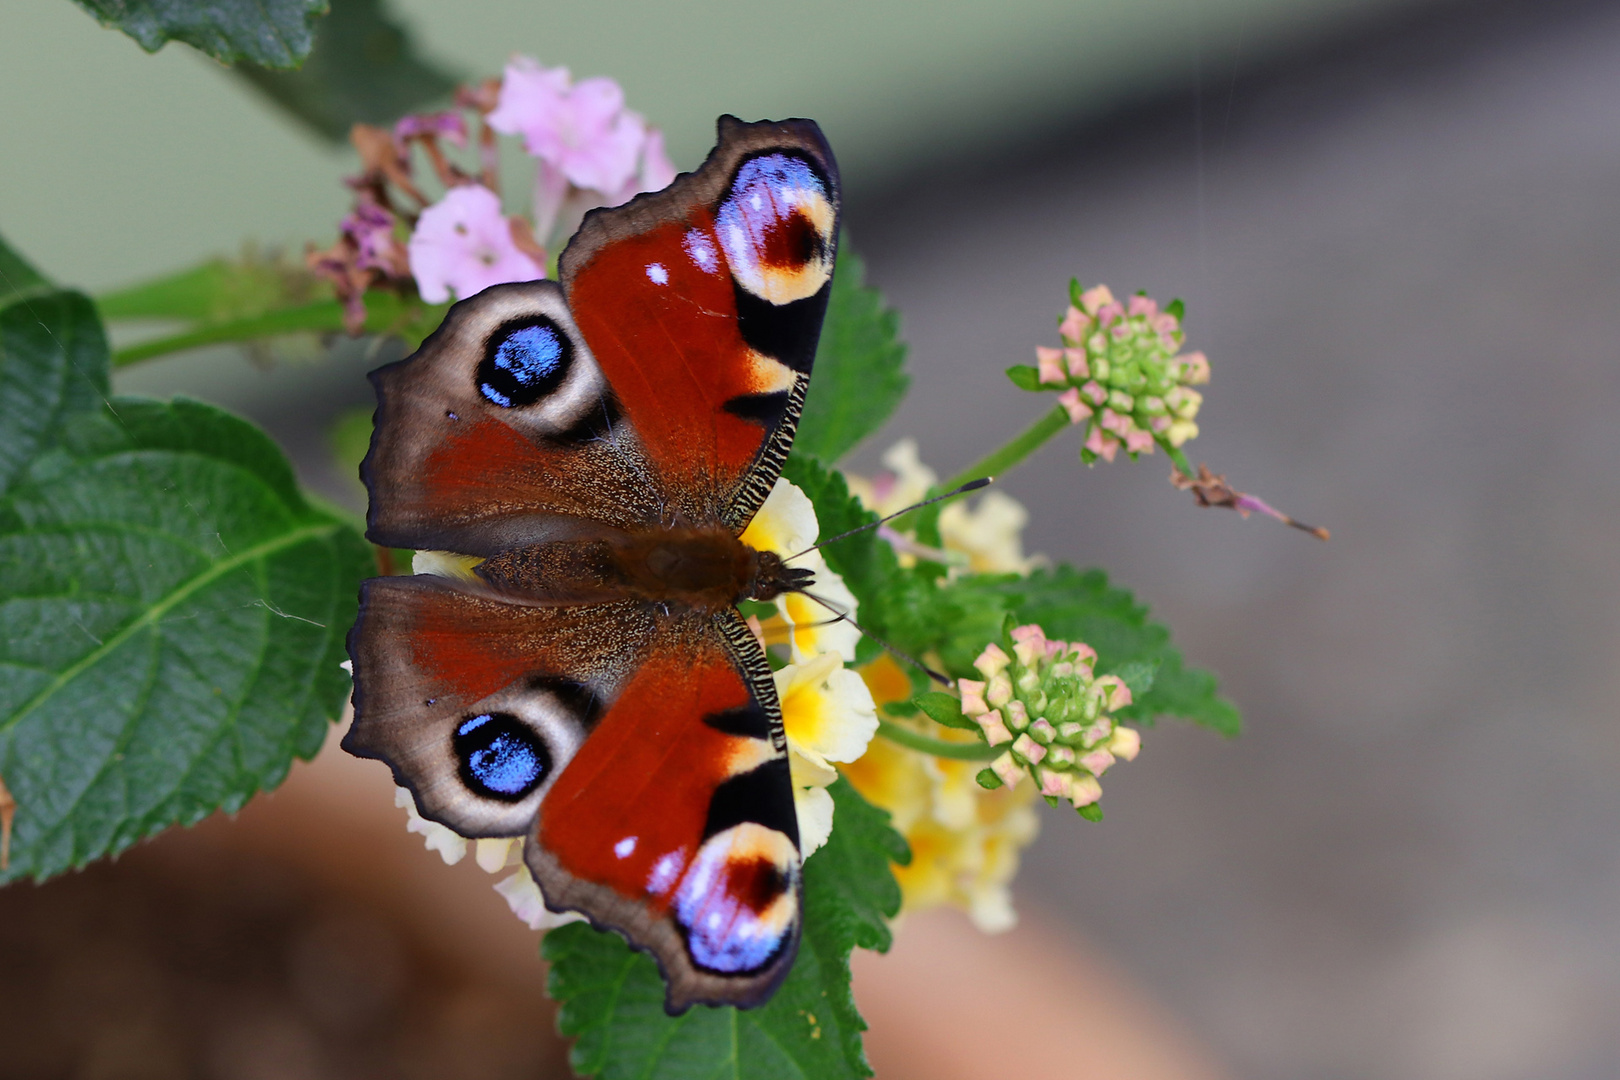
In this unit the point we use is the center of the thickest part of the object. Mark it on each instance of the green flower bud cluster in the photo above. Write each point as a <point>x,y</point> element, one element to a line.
<point>1045,703</point>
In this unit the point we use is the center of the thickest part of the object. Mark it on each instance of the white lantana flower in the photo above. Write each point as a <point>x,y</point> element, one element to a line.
<point>907,481</point>
<point>492,854</point>
<point>829,716</point>
<point>786,524</point>
<point>983,539</point>
<point>990,534</point>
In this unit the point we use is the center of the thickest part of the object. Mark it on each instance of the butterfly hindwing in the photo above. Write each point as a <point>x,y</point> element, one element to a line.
<point>675,824</point>
<point>432,655</point>
<point>643,758</point>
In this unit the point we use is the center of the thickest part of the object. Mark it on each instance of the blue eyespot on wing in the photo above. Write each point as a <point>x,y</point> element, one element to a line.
<point>524,362</point>
<point>500,757</point>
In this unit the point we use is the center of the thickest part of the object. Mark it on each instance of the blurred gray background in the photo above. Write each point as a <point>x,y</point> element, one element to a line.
<point>1397,230</point>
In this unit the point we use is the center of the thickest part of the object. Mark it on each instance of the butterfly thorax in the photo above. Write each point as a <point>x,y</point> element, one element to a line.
<point>703,568</point>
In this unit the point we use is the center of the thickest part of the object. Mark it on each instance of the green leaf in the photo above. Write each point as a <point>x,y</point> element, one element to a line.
<point>1081,605</point>
<point>613,998</point>
<point>858,378</point>
<point>172,611</point>
<point>53,364</point>
<point>363,69</point>
<point>1025,377</point>
<point>18,278</point>
<point>273,33</point>
<point>944,709</point>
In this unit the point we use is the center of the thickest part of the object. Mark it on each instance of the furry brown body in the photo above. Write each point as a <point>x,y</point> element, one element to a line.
<point>704,569</point>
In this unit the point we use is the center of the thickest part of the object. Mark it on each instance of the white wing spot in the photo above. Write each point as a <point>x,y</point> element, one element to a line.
<point>624,847</point>
<point>664,873</point>
<point>657,274</point>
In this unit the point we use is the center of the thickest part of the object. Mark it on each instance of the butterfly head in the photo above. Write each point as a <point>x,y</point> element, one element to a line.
<point>773,577</point>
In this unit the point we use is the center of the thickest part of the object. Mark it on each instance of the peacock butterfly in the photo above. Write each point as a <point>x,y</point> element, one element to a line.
<point>600,443</point>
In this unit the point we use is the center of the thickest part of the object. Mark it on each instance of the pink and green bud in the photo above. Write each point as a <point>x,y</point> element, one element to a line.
<point>972,697</point>
<point>1084,790</point>
<point>995,730</point>
<point>1055,784</point>
<point>1009,770</point>
<point>1056,718</point>
<point>1077,409</point>
<point>1049,363</point>
<point>1017,715</point>
<point>1028,749</point>
<point>992,661</point>
<point>1097,762</point>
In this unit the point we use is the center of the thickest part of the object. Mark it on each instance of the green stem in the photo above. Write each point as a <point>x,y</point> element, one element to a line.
<point>323,315</point>
<point>1020,447</point>
<point>1178,459</point>
<point>386,313</point>
<point>975,751</point>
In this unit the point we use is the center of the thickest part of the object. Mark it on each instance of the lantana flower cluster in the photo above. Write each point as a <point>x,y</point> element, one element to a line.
<point>1053,713</point>
<point>1120,374</point>
<point>589,150</point>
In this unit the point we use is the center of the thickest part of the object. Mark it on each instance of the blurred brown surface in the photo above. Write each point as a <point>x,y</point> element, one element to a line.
<point>312,938</point>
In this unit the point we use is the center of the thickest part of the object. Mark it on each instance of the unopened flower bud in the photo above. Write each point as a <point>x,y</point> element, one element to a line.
<point>1028,749</point>
<point>1049,363</point>
<point>1084,790</point>
<point>1126,743</point>
<point>1055,783</point>
<point>1042,731</point>
<point>1097,761</point>
<point>1009,769</point>
<point>1017,715</point>
<point>1000,691</point>
<point>1077,409</point>
<point>1075,325</point>
<point>992,661</point>
<point>1093,299</point>
<point>972,697</point>
<point>995,731</point>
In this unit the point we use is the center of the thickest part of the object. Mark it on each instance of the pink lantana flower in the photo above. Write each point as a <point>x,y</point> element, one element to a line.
<point>463,244</point>
<point>581,130</point>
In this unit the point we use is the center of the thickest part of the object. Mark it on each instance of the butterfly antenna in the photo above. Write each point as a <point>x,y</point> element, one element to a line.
<point>971,485</point>
<point>843,616</point>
